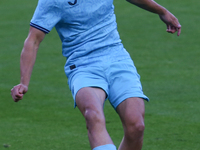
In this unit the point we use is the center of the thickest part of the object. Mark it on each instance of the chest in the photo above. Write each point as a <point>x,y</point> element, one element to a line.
<point>86,12</point>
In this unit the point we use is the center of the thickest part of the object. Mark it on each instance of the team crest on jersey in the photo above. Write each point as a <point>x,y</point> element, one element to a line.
<point>70,3</point>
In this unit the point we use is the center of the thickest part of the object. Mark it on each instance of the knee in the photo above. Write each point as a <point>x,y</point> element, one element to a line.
<point>134,129</point>
<point>94,119</point>
<point>139,127</point>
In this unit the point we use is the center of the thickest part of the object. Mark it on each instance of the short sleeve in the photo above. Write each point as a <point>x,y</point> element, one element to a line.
<point>47,14</point>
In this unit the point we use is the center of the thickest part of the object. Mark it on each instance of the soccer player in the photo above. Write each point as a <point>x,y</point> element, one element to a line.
<point>98,67</point>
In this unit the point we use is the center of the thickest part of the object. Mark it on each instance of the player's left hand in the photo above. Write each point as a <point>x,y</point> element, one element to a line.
<point>172,23</point>
<point>18,91</point>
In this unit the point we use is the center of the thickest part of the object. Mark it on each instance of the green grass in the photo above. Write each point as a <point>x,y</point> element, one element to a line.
<point>169,67</point>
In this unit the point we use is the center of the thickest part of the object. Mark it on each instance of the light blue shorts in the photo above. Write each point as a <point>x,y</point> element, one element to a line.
<point>119,80</point>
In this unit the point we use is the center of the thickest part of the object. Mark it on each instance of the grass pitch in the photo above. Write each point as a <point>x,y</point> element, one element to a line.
<point>169,67</point>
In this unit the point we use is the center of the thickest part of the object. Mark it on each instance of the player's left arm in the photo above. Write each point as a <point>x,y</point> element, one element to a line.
<point>167,17</point>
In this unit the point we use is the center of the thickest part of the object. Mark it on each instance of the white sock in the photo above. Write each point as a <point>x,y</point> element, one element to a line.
<point>106,147</point>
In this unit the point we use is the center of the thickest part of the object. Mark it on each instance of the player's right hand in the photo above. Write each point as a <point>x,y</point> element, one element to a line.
<point>18,91</point>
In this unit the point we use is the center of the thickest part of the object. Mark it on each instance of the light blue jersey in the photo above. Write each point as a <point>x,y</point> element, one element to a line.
<point>87,29</point>
<point>92,46</point>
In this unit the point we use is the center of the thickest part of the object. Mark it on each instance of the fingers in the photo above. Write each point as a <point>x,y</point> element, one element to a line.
<point>179,31</point>
<point>15,94</point>
<point>18,91</point>
<point>173,29</point>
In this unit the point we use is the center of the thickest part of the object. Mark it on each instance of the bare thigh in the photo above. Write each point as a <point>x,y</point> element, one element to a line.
<point>131,111</point>
<point>90,98</point>
<point>90,102</point>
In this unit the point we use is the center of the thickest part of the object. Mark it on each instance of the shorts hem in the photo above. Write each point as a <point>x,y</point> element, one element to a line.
<point>92,86</point>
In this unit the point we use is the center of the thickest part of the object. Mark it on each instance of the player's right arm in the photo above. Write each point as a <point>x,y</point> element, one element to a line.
<point>27,61</point>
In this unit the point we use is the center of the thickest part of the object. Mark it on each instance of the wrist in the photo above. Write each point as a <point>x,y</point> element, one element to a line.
<point>24,81</point>
<point>24,84</point>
